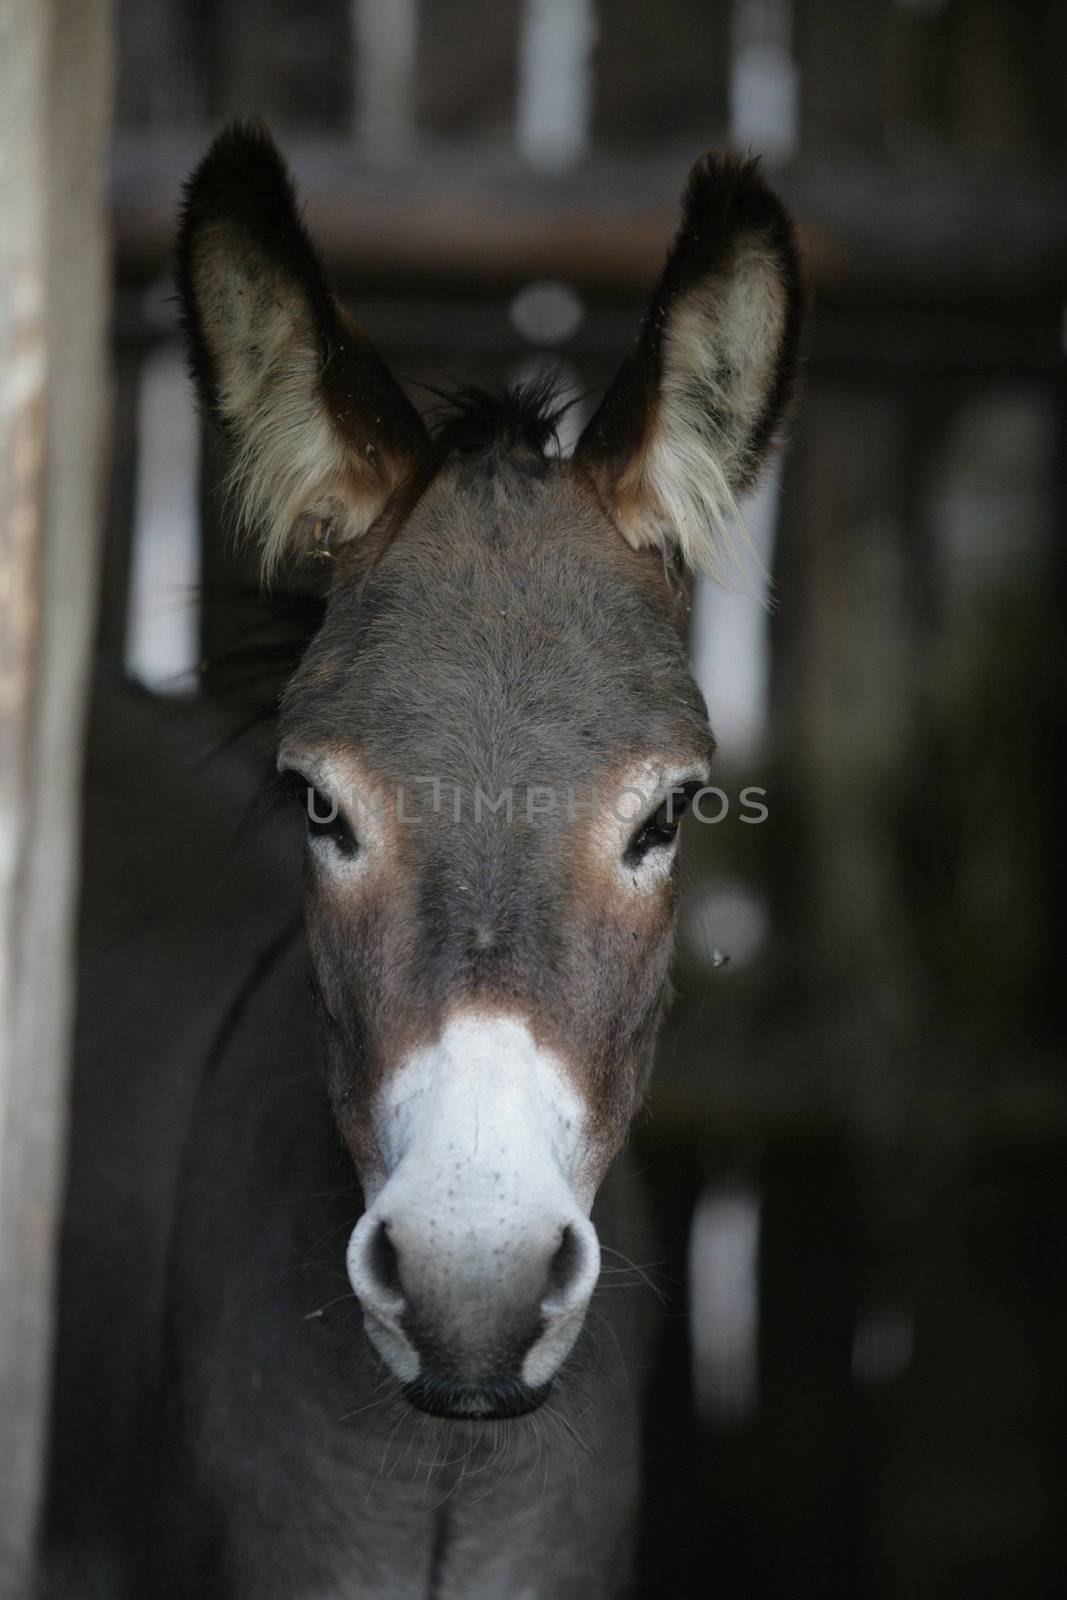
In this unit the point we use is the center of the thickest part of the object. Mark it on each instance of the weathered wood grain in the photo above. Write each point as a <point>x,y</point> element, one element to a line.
<point>54,107</point>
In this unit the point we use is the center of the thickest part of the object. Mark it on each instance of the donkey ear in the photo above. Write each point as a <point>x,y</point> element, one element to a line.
<point>318,429</point>
<point>691,416</point>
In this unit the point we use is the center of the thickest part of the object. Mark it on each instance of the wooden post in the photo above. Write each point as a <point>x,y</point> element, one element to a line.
<point>55,82</point>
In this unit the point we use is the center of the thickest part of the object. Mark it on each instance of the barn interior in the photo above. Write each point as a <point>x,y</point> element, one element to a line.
<point>855,1140</point>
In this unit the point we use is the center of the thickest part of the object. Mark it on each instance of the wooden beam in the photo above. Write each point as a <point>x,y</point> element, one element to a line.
<point>475,219</point>
<point>54,112</point>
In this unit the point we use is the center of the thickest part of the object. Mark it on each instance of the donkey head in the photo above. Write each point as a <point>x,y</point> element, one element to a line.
<point>495,732</point>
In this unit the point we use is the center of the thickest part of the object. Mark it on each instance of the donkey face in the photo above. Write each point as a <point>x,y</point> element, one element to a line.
<point>495,731</point>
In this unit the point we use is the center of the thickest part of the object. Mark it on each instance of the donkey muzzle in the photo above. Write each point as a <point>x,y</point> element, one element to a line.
<point>475,1322</point>
<point>475,1259</point>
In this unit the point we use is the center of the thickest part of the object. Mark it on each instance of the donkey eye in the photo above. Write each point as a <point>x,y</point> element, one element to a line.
<point>322,816</point>
<point>661,828</point>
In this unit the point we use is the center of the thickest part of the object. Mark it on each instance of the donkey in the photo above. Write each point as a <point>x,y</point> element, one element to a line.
<point>493,737</point>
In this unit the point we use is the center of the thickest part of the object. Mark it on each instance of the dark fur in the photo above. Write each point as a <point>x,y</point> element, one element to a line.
<point>286,1465</point>
<point>525,416</point>
<point>527,646</point>
<point>243,184</point>
<point>725,198</point>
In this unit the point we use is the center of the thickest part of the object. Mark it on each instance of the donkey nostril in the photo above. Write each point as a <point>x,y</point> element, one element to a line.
<point>564,1265</point>
<point>384,1261</point>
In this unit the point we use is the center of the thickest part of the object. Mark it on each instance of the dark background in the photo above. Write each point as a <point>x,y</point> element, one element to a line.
<point>857,1135</point>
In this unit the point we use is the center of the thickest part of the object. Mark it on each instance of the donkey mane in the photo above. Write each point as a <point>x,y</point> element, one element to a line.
<point>523,416</point>
<point>521,420</point>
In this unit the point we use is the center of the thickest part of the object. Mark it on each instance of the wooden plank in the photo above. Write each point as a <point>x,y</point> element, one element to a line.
<point>22,488</point>
<point>290,64</point>
<point>54,105</point>
<point>842,57</point>
<point>478,219</point>
<point>466,70</point>
<point>661,74</point>
<point>165,54</point>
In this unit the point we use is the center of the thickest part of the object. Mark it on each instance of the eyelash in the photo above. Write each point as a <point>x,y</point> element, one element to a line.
<point>321,818</point>
<point>661,828</point>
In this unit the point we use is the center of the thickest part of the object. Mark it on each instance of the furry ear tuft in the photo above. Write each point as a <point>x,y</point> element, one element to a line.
<point>691,416</point>
<point>318,430</point>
